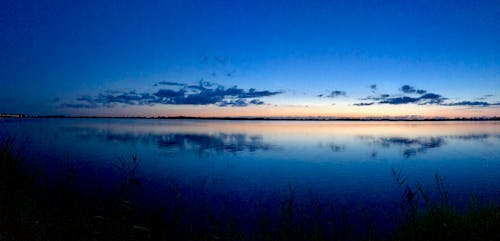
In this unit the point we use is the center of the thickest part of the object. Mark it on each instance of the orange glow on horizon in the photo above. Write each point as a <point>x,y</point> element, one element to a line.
<point>328,111</point>
<point>339,111</point>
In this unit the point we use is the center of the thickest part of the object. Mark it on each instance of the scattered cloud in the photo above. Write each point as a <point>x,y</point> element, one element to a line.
<point>364,103</point>
<point>379,97</point>
<point>373,87</point>
<point>416,96</point>
<point>256,102</point>
<point>484,97</point>
<point>429,98</point>
<point>471,103</point>
<point>407,89</point>
<point>78,105</point>
<point>336,93</point>
<point>205,93</point>
<point>234,103</point>
<point>170,83</point>
<point>333,94</point>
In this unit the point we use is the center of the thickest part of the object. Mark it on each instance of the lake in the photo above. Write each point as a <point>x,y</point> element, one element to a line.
<point>245,167</point>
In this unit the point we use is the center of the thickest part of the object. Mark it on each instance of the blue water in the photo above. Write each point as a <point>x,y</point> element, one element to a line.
<point>245,165</point>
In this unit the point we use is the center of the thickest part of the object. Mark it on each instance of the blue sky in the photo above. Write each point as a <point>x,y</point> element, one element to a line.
<point>285,57</point>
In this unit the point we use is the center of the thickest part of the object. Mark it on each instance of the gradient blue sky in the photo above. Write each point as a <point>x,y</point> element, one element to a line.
<point>114,54</point>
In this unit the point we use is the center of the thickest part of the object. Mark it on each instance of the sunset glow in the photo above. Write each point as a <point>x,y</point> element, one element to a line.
<point>265,59</point>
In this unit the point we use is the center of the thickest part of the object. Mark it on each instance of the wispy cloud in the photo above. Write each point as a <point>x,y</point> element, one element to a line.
<point>333,94</point>
<point>484,97</point>
<point>472,103</point>
<point>169,83</point>
<point>78,105</point>
<point>364,103</point>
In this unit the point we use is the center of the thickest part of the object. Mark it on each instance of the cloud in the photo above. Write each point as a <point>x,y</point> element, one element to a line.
<point>257,102</point>
<point>484,97</point>
<point>167,93</point>
<point>407,89</point>
<point>78,106</point>
<point>205,93</point>
<point>333,94</point>
<point>85,98</point>
<point>471,103</point>
<point>170,83</point>
<point>364,103</point>
<point>423,98</point>
<point>233,103</point>
<point>379,97</point>
<point>336,93</point>
<point>126,98</point>
<point>410,90</point>
<point>252,93</point>
<point>429,98</point>
<point>399,100</point>
<point>373,87</point>
<point>419,97</point>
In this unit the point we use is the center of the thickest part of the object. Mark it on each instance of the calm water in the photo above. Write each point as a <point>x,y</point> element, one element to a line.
<point>242,165</point>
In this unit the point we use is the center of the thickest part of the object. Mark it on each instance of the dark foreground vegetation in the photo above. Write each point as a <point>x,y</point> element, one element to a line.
<point>31,209</point>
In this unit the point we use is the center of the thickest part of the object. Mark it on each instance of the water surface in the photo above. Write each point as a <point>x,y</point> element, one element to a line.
<point>242,165</point>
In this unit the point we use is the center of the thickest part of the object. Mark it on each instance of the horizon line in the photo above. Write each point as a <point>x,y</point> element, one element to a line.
<point>302,118</point>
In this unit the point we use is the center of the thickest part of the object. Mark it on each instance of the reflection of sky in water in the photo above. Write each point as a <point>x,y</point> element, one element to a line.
<point>201,142</point>
<point>348,161</point>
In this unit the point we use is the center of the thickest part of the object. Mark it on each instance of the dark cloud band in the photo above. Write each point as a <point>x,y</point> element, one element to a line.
<point>202,94</point>
<point>333,94</point>
<point>418,97</point>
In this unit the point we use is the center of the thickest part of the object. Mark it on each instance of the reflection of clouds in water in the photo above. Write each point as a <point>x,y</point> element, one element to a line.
<point>219,142</point>
<point>410,146</point>
<point>474,137</point>
<point>413,146</point>
<point>88,133</point>
<point>333,146</point>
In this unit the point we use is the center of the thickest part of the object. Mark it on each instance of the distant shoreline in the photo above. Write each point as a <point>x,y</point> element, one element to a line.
<point>261,118</point>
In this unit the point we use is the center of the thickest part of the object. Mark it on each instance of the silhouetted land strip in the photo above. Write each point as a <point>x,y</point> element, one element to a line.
<point>496,118</point>
<point>30,209</point>
<point>328,119</point>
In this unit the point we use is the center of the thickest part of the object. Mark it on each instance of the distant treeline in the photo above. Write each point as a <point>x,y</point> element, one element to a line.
<point>495,118</point>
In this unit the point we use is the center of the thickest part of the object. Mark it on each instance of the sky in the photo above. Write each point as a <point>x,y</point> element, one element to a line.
<point>250,58</point>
